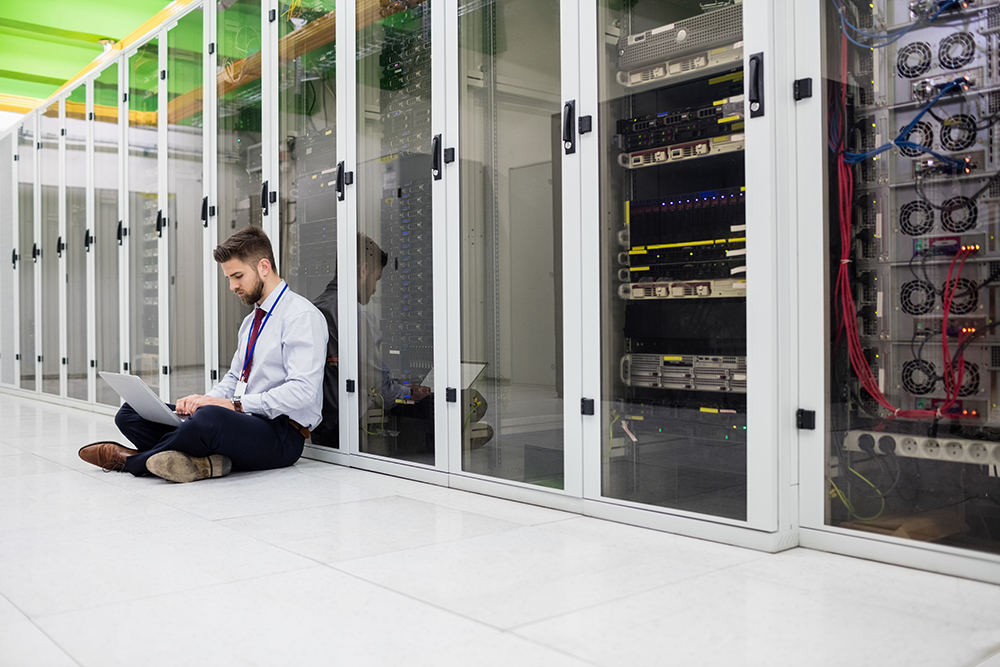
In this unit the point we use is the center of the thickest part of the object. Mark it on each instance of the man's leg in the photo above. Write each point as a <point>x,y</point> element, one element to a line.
<point>140,432</point>
<point>250,442</point>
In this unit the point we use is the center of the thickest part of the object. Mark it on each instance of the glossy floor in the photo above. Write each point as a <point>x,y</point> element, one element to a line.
<point>322,565</point>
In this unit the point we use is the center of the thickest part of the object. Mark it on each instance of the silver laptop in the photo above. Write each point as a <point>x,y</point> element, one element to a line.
<point>137,393</point>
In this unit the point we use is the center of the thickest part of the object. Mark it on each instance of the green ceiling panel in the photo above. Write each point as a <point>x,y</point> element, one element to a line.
<point>44,45</point>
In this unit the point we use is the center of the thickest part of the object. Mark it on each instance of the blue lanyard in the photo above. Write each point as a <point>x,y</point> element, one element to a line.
<point>249,354</point>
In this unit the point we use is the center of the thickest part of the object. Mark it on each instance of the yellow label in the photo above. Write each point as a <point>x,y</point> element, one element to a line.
<point>743,189</point>
<point>637,419</point>
<point>728,119</point>
<point>639,268</point>
<point>680,245</point>
<point>673,358</point>
<point>713,411</point>
<point>736,76</point>
<point>628,208</point>
<point>739,126</point>
<point>637,251</point>
<point>738,240</point>
<point>715,104</point>
<point>328,133</point>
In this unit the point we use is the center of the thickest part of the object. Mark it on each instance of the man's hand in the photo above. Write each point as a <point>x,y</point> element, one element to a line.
<point>188,404</point>
<point>419,392</point>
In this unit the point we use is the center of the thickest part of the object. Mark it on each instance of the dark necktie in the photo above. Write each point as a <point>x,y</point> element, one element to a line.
<point>258,316</point>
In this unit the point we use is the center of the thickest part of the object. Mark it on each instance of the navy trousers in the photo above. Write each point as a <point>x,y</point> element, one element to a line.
<point>251,442</point>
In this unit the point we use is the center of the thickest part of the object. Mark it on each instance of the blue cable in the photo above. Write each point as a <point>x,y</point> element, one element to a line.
<point>895,35</point>
<point>900,140</point>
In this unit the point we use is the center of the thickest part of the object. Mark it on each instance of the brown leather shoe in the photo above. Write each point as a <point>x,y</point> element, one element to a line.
<point>108,456</point>
<point>177,466</point>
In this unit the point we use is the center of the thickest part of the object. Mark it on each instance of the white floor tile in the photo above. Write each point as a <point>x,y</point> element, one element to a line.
<point>27,464</point>
<point>110,566</point>
<point>521,513</point>
<point>22,644</point>
<point>518,577</point>
<point>726,619</point>
<point>353,530</point>
<point>308,617</point>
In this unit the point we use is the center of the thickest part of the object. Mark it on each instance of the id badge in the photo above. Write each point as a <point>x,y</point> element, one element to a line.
<point>241,388</point>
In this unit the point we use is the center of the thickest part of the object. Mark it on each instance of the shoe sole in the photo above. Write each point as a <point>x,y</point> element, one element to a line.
<point>181,468</point>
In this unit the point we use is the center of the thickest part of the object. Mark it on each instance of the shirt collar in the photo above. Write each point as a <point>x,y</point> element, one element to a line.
<point>272,297</point>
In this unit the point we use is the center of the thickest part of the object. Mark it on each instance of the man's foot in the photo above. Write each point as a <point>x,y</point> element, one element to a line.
<point>109,456</point>
<point>180,467</point>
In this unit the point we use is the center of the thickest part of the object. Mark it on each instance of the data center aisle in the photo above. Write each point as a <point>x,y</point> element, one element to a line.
<point>319,565</point>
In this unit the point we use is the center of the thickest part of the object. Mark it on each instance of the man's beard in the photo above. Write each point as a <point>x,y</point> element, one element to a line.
<point>252,296</point>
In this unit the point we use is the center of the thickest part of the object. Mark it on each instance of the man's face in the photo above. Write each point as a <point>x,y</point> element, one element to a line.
<point>244,280</point>
<point>368,282</point>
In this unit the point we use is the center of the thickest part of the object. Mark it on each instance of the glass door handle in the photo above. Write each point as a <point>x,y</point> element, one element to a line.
<point>159,223</point>
<point>263,197</point>
<point>36,252</point>
<point>340,181</point>
<point>87,239</point>
<point>120,232</point>
<point>13,258</point>
<point>755,85</point>
<point>436,157</point>
<point>569,129</point>
<point>204,211</point>
<point>60,246</point>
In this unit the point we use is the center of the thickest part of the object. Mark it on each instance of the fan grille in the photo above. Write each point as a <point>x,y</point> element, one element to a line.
<point>966,297</point>
<point>960,214</point>
<point>917,297</point>
<point>913,60</point>
<point>957,50</point>
<point>970,380</point>
<point>918,377</point>
<point>916,218</point>
<point>958,132</point>
<point>922,134</point>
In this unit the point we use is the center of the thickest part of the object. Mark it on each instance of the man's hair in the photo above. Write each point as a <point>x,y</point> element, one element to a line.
<point>249,245</point>
<point>368,251</point>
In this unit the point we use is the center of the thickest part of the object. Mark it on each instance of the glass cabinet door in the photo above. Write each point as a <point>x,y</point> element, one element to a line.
<point>394,244</point>
<point>307,189</point>
<point>912,263</point>
<point>76,243</point>
<point>144,213</point>
<point>27,248</point>
<point>48,259</point>
<point>184,237</point>
<point>673,261</point>
<point>511,297</point>
<point>107,235</point>
<point>8,185</point>
<point>240,160</point>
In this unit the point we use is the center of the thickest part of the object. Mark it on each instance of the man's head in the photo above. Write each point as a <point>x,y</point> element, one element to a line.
<point>371,260</point>
<point>247,260</point>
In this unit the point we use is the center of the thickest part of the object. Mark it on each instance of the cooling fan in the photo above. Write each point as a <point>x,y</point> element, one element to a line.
<point>959,214</point>
<point>958,132</point>
<point>913,60</point>
<point>919,377</point>
<point>966,296</point>
<point>957,50</point>
<point>916,218</point>
<point>917,297</point>
<point>922,134</point>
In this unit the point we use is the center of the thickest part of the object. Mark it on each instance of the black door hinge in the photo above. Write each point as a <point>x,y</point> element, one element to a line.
<point>587,406</point>
<point>806,420</point>
<point>215,374</point>
<point>451,395</point>
<point>125,366</point>
<point>272,16</point>
<point>165,372</point>
<point>586,124</point>
<point>802,88</point>
<point>350,386</point>
<point>93,363</point>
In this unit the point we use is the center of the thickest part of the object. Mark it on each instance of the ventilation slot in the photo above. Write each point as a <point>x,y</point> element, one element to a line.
<point>960,214</point>
<point>916,218</point>
<point>921,134</point>
<point>919,377</point>
<point>957,50</point>
<point>917,297</point>
<point>958,132</point>
<point>913,60</point>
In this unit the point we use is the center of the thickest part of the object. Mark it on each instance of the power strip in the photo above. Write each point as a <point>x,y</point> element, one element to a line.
<point>946,448</point>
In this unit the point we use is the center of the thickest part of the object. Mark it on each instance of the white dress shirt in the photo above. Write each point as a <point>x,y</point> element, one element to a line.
<point>286,376</point>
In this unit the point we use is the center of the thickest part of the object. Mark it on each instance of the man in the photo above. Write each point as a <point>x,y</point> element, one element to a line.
<point>259,415</point>
<point>377,385</point>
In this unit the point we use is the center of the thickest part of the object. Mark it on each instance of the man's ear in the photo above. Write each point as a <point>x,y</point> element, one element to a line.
<point>264,267</point>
